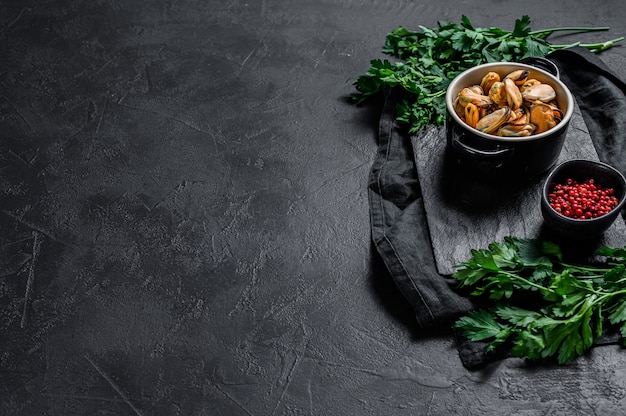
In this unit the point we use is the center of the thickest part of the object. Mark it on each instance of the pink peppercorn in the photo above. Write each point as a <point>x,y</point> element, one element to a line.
<point>582,201</point>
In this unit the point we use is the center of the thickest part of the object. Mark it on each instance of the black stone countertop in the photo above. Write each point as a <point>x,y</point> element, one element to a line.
<point>184,218</point>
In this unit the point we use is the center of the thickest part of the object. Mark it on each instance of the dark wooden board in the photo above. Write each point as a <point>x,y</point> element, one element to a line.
<point>463,213</point>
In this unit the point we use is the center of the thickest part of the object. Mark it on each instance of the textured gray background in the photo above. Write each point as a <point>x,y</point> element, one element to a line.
<point>184,221</point>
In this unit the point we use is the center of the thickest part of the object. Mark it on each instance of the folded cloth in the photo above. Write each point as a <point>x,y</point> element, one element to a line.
<point>398,218</point>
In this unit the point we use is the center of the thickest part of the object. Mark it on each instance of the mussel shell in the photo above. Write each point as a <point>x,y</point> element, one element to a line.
<point>539,92</point>
<point>492,121</point>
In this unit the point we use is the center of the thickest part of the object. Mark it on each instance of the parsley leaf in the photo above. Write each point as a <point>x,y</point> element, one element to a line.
<point>428,59</point>
<point>522,27</point>
<point>565,320</point>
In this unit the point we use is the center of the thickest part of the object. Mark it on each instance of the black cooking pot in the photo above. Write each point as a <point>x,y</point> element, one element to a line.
<point>493,157</point>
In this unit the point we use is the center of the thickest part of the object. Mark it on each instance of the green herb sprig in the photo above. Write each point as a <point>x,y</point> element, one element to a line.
<point>541,306</point>
<point>427,60</point>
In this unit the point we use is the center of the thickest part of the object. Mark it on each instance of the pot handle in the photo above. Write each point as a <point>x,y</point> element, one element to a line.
<point>468,150</point>
<point>542,63</point>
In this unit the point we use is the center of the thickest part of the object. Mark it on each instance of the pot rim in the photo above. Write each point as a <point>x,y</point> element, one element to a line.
<point>492,65</point>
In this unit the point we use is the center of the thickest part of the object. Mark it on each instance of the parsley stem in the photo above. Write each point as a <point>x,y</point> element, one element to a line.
<point>584,268</point>
<point>558,29</point>
<point>526,281</point>
<point>565,45</point>
<point>437,94</point>
<point>611,294</point>
<point>594,47</point>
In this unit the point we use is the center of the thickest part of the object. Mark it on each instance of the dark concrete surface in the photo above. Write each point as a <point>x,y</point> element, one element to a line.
<point>184,218</point>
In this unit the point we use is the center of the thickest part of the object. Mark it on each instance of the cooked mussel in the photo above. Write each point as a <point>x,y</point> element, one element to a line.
<point>513,130</point>
<point>494,120</point>
<point>513,94</point>
<point>468,95</point>
<point>510,106</point>
<point>519,76</point>
<point>497,93</point>
<point>488,80</point>
<point>472,114</point>
<point>542,116</point>
<point>539,92</point>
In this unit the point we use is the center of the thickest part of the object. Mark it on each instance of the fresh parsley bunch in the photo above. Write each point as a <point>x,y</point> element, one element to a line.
<point>427,60</point>
<point>542,307</point>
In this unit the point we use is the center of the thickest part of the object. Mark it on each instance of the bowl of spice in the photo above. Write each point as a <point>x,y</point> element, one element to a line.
<point>581,199</point>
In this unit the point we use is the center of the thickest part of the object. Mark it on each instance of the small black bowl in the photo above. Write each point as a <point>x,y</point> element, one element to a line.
<point>581,170</point>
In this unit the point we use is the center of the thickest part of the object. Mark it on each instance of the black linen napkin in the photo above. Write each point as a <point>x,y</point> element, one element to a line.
<point>398,218</point>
